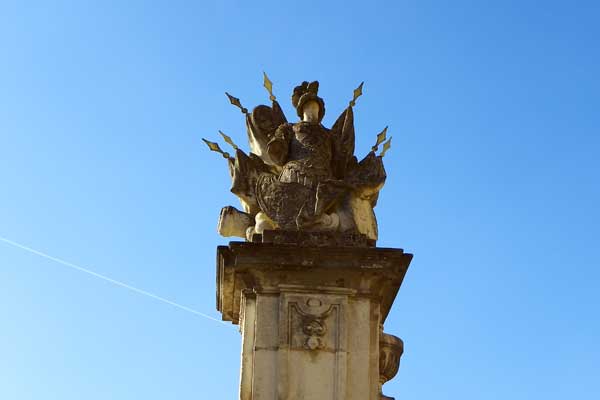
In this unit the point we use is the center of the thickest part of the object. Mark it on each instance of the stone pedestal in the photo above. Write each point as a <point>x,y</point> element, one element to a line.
<point>311,318</point>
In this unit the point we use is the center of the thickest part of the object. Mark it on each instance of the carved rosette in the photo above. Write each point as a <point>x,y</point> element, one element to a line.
<point>390,351</point>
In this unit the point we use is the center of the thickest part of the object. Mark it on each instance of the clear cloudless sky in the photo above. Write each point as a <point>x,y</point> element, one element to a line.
<point>492,184</point>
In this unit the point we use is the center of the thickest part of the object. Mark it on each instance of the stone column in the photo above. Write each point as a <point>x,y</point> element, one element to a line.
<point>311,318</point>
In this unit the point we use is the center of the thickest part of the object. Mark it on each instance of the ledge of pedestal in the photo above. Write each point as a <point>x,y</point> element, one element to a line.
<point>367,272</point>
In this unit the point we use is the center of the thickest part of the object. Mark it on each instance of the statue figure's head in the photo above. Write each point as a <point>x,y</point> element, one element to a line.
<point>309,106</point>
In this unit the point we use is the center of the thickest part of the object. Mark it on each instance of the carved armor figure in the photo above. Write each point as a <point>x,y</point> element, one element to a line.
<point>308,157</point>
<point>302,176</point>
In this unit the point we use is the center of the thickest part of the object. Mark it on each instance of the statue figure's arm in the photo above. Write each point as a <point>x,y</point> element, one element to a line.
<point>278,146</point>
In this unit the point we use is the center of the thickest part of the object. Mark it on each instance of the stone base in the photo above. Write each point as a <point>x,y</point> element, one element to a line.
<point>313,239</point>
<point>311,318</point>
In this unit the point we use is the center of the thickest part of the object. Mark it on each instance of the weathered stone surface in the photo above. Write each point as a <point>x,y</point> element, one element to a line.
<point>303,176</point>
<point>310,317</point>
<point>309,290</point>
<point>370,271</point>
<point>233,222</point>
<point>315,239</point>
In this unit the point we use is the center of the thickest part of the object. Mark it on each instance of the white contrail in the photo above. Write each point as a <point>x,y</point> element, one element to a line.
<point>106,278</point>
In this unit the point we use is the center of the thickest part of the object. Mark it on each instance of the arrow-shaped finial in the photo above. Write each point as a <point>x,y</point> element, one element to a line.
<point>268,85</point>
<point>228,140</point>
<point>236,102</point>
<point>380,139</point>
<point>356,94</point>
<point>386,147</point>
<point>215,147</point>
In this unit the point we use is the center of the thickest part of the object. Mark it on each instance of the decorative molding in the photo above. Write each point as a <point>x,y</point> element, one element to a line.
<point>308,326</point>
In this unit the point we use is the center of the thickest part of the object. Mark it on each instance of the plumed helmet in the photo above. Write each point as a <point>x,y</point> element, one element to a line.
<point>304,93</point>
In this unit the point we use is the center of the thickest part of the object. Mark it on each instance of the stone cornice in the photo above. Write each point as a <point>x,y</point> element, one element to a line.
<point>264,267</point>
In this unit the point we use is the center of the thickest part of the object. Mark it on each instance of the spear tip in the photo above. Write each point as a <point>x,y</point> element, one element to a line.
<point>356,94</point>
<point>236,102</point>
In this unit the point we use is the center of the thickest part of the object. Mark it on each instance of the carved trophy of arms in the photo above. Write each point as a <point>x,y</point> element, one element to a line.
<point>302,176</point>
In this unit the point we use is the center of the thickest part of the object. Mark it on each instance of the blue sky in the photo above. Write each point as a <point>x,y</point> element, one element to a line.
<point>492,184</point>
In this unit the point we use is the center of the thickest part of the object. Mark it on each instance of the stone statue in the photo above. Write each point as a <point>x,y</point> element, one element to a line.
<point>302,177</point>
